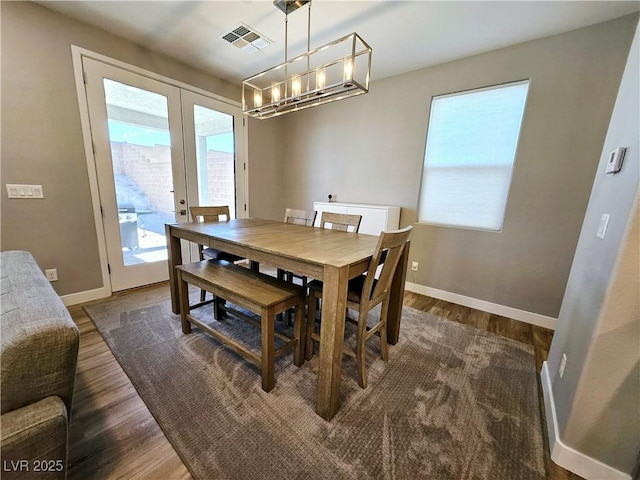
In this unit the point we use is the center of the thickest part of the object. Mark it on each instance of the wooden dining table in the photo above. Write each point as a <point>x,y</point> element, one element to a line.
<point>328,255</point>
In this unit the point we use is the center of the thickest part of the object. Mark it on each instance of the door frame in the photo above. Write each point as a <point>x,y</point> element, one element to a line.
<point>242,184</point>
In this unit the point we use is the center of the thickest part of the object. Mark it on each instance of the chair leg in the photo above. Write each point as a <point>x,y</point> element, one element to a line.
<point>361,339</point>
<point>203,294</point>
<point>383,330</point>
<point>280,275</point>
<point>218,312</point>
<point>299,335</point>
<point>312,302</point>
<point>288,277</point>
<point>383,343</point>
<point>360,359</point>
<point>305,282</point>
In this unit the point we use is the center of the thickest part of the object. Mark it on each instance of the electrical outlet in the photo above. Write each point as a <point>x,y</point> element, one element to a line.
<point>52,275</point>
<point>414,266</point>
<point>563,364</point>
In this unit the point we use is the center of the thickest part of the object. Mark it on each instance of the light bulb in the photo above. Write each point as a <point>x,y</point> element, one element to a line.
<point>295,85</point>
<point>348,69</point>
<point>320,79</point>
<point>275,92</point>
<point>257,99</point>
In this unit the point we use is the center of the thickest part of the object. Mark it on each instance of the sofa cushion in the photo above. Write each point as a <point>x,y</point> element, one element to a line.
<point>34,441</point>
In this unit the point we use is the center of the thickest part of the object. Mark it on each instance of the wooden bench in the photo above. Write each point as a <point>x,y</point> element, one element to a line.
<point>259,293</point>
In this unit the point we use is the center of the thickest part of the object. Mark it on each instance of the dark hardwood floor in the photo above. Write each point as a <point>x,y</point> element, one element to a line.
<point>113,434</point>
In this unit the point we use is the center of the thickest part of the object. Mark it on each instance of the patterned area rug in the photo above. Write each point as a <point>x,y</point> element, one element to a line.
<point>453,402</point>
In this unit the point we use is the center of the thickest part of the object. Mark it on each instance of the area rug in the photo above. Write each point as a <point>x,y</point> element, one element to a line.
<point>453,402</point>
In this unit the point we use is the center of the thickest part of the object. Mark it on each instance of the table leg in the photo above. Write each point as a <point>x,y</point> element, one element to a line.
<point>175,258</point>
<point>183,288</point>
<point>334,303</point>
<point>396,297</point>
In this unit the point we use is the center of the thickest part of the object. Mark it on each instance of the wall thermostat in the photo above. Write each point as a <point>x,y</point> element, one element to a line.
<point>615,160</point>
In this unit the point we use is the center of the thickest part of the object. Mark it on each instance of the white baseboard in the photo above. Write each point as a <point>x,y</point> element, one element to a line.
<point>510,312</point>
<point>565,456</point>
<point>87,296</point>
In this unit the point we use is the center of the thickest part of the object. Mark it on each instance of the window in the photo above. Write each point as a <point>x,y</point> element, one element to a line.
<point>468,160</point>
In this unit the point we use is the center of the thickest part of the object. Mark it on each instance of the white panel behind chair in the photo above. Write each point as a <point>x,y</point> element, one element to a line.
<point>375,218</point>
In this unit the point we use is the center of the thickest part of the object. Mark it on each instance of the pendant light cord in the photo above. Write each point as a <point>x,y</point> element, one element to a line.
<point>308,42</point>
<point>286,42</point>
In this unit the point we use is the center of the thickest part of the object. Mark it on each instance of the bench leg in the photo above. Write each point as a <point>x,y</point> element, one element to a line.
<point>268,347</point>
<point>184,302</point>
<point>299,334</point>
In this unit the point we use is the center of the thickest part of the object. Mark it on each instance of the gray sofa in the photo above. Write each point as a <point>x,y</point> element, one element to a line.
<point>38,357</point>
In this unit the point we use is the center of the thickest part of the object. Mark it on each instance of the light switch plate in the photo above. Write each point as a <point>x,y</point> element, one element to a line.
<point>602,228</point>
<point>24,191</point>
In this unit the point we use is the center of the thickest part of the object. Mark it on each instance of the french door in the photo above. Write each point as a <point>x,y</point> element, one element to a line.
<point>158,149</point>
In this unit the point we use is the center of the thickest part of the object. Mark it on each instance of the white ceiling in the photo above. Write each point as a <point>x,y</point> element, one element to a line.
<point>404,35</point>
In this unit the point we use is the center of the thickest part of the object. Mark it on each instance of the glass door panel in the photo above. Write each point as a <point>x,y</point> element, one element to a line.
<point>140,143</point>
<point>136,129</point>
<point>214,146</point>
<point>215,157</point>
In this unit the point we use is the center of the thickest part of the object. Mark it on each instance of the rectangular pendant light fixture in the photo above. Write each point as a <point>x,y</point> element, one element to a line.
<point>335,71</point>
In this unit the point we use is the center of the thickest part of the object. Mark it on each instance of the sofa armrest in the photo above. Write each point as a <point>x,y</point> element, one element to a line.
<point>38,365</point>
<point>34,441</point>
<point>39,341</point>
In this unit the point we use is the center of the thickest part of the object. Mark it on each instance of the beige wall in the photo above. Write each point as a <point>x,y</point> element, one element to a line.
<point>597,398</point>
<point>42,138</point>
<point>370,149</point>
<point>266,169</point>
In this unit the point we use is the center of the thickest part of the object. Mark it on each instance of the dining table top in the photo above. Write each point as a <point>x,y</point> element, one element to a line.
<point>313,245</point>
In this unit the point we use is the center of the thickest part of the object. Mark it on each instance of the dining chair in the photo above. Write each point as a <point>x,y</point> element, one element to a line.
<point>300,217</point>
<point>364,292</point>
<point>207,214</point>
<point>297,217</point>
<point>341,221</point>
<point>336,221</point>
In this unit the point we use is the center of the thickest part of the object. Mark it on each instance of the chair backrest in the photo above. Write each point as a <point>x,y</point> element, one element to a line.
<point>300,217</point>
<point>390,247</point>
<point>341,221</point>
<point>209,214</point>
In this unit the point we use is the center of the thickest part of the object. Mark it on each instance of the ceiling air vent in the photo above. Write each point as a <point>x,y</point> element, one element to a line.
<point>246,39</point>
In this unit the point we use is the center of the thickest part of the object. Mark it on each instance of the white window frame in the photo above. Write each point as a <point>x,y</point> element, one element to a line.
<point>421,216</point>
